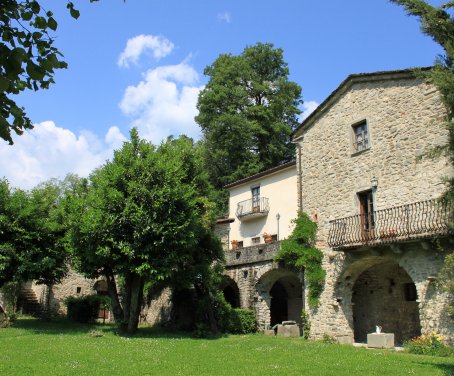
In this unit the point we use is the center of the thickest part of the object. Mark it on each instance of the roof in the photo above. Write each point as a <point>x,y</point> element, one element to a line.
<point>348,82</point>
<point>261,174</point>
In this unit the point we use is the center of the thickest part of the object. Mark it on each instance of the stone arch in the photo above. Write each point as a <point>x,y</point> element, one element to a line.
<point>231,291</point>
<point>382,293</point>
<point>279,297</point>
<point>100,287</point>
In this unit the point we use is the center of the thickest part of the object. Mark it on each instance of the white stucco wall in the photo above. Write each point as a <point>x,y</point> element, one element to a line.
<point>281,189</point>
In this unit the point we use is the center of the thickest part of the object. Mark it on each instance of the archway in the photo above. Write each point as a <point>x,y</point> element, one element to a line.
<point>282,290</point>
<point>385,295</point>
<point>231,292</point>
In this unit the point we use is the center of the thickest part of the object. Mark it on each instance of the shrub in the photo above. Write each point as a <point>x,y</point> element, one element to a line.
<point>84,309</point>
<point>243,321</point>
<point>233,320</point>
<point>428,345</point>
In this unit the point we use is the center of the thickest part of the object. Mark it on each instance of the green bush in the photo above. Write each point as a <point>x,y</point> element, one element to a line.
<point>234,320</point>
<point>84,309</point>
<point>428,345</point>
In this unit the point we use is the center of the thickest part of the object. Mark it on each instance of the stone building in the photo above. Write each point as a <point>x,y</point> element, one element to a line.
<point>363,177</point>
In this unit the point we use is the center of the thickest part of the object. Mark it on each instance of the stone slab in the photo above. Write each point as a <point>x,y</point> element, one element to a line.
<point>380,340</point>
<point>269,332</point>
<point>288,330</point>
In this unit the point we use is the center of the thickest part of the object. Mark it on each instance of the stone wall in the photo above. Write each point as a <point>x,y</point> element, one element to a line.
<point>404,118</point>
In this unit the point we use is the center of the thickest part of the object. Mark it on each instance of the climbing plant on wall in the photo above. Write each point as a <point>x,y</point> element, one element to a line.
<point>299,251</point>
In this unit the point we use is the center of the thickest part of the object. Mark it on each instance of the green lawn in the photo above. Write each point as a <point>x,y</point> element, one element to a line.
<point>36,348</point>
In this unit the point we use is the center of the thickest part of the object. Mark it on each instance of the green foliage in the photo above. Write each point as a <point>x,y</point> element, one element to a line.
<point>28,58</point>
<point>144,217</point>
<point>10,293</point>
<point>247,111</point>
<point>446,281</point>
<point>298,251</point>
<point>32,227</point>
<point>428,345</point>
<point>438,23</point>
<point>84,309</point>
<point>305,324</point>
<point>233,320</point>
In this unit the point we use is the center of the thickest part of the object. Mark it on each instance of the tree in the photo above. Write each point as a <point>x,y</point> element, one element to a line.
<point>32,234</point>
<point>438,23</point>
<point>139,218</point>
<point>28,58</point>
<point>247,112</point>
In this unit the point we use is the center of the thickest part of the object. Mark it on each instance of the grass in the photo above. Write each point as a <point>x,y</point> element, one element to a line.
<point>33,347</point>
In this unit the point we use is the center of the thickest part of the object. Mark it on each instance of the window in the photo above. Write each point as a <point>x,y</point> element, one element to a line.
<point>361,137</point>
<point>255,199</point>
<point>256,240</point>
<point>240,244</point>
<point>366,206</point>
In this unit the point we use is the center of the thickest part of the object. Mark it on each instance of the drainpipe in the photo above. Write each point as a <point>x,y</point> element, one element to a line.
<point>299,177</point>
<point>278,217</point>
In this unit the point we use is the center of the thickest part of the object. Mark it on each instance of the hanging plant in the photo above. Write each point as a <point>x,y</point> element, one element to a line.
<point>299,251</point>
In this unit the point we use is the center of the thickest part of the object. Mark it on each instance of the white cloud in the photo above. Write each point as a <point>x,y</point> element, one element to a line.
<point>164,102</point>
<point>225,17</point>
<point>308,108</point>
<point>48,151</point>
<point>157,46</point>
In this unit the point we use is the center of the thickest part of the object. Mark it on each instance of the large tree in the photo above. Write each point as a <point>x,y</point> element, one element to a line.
<point>28,58</point>
<point>141,217</point>
<point>247,112</point>
<point>32,233</point>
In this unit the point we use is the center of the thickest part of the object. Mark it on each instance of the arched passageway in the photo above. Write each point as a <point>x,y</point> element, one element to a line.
<point>385,295</point>
<point>282,289</point>
<point>231,292</point>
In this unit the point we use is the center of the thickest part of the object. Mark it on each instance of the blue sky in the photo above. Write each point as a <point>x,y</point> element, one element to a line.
<point>140,63</point>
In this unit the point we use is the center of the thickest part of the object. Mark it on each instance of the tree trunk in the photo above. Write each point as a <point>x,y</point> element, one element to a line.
<point>114,299</point>
<point>204,293</point>
<point>136,303</point>
<point>126,302</point>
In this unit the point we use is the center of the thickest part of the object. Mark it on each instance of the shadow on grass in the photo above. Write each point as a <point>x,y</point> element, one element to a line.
<point>443,365</point>
<point>62,326</point>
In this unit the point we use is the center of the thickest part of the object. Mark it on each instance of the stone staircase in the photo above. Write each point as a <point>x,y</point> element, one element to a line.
<point>28,302</point>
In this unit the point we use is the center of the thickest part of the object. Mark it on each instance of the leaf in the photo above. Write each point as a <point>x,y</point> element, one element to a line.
<point>35,71</point>
<point>4,84</point>
<point>52,23</point>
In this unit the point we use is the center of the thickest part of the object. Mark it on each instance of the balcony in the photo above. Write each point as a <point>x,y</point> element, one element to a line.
<point>252,254</point>
<point>251,209</point>
<point>418,220</point>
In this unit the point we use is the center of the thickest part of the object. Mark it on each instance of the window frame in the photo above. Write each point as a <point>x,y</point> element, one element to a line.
<point>255,198</point>
<point>365,137</point>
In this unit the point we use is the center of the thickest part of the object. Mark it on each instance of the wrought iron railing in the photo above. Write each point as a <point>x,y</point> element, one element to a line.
<point>417,220</point>
<point>259,206</point>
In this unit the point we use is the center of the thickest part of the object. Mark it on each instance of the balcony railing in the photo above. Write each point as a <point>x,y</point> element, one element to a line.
<point>252,208</point>
<point>414,221</point>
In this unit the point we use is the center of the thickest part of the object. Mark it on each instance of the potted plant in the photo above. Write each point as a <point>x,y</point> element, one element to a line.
<point>234,245</point>
<point>267,237</point>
